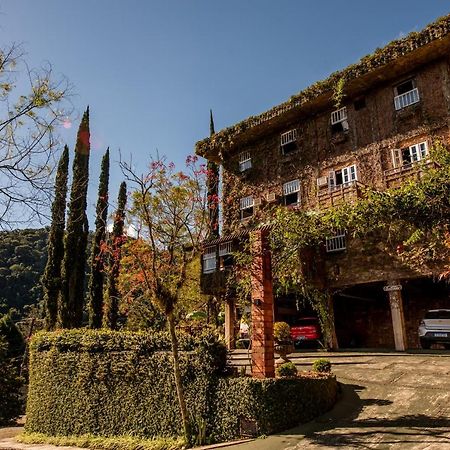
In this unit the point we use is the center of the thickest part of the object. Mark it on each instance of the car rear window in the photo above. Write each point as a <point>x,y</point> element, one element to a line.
<point>443,314</point>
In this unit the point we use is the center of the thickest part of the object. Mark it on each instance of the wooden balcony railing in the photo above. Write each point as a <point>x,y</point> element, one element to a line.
<point>398,175</point>
<point>344,193</point>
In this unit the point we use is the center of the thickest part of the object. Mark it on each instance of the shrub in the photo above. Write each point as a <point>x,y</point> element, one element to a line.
<point>104,383</point>
<point>322,365</point>
<point>286,370</point>
<point>13,337</point>
<point>281,331</point>
<point>11,403</point>
<point>273,405</point>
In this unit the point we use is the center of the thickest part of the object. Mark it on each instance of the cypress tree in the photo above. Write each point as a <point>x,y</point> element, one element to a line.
<point>212,185</point>
<point>96,282</point>
<point>117,237</point>
<point>73,269</point>
<point>51,280</point>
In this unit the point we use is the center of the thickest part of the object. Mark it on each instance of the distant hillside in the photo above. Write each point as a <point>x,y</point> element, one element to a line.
<point>23,256</point>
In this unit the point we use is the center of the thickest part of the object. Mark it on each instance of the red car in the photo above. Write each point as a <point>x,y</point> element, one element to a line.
<point>306,330</point>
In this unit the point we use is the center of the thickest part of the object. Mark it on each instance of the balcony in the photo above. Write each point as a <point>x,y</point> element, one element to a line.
<point>343,193</point>
<point>408,98</point>
<point>398,175</point>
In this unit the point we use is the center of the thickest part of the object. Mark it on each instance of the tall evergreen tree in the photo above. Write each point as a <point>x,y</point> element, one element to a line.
<point>213,189</point>
<point>73,269</point>
<point>212,185</point>
<point>96,282</point>
<point>117,237</point>
<point>51,280</point>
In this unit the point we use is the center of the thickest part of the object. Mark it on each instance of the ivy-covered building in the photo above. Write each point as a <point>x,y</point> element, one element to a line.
<point>370,125</point>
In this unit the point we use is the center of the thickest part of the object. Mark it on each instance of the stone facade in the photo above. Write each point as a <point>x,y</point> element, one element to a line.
<point>333,162</point>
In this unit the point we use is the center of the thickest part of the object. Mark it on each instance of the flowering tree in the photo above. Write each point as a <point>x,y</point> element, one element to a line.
<point>169,210</point>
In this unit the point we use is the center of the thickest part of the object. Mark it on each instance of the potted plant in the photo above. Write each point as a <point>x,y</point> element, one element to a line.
<point>283,342</point>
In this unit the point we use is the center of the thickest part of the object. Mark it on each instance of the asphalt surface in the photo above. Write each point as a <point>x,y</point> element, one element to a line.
<point>389,401</point>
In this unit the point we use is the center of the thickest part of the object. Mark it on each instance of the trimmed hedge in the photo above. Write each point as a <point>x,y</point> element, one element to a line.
<point>113,383</point>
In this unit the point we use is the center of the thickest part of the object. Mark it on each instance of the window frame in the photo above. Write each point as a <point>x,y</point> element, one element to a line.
<point>348,174</point>
<point>288,142</point>
<point>243,206</point>
<point>407,98</point>
<point>245,161</point>
<point>289,189</point>
<point>209,254</point>
<point>226,258</point>
<point>337,242</point>
<point>417,152</point>
<point>339,120</point>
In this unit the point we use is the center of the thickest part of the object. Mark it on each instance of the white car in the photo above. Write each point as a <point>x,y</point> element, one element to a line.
<point>435,327</point>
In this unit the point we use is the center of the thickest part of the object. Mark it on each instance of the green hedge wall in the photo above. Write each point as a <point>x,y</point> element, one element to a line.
<point>113,383</point>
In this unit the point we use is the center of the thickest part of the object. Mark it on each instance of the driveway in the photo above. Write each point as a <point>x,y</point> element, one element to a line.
<point>389,401</point>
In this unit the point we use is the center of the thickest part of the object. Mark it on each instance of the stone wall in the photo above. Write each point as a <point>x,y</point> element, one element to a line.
<point>374,131</point>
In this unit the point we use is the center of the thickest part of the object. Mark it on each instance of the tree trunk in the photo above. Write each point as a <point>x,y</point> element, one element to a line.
<point>177,374</point>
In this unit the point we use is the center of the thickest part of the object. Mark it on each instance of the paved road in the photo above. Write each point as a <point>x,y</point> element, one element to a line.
<point>390,401</point>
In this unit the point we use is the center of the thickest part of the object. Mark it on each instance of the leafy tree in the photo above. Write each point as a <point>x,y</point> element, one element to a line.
<point>51,280</point>
<point>117,239</point>
<point>28,141</point>
<point>170,211</point>
<point>74,263</point>
<point>10,386</point>
<point>13,338</point>
<point>96,281</point>
<point>22,261</point>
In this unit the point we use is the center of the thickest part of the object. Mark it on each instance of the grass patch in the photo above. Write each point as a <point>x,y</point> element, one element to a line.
<point>104,443</point>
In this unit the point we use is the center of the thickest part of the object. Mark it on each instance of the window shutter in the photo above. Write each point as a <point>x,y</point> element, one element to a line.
<point>413,152</point>
<point>345,175</point>
<point>396,157</point>
<point>423,150</point>
<point>331,179</point>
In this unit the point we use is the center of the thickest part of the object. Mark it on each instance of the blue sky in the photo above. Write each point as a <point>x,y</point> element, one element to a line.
<point>151,70</point>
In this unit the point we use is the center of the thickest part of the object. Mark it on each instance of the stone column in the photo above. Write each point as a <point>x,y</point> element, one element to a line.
<point>263,360</point>
<point>230,319</point>
<point>394,290</point>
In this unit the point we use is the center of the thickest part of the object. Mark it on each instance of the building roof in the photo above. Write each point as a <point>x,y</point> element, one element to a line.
<point>398,57</point>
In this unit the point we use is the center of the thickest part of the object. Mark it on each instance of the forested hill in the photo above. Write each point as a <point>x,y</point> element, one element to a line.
<point>23,255</point>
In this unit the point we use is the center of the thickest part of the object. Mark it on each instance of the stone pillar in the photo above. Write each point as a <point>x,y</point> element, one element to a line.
<point>230,319</point>
<point>263,360</point>
<point>394,290</point>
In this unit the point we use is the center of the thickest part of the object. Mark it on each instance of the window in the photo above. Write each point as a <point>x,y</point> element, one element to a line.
<point>245,161</point>
<point>289,142</point>
<point>406,94</point>
<point>247,206</point>
<point>337,242</point>
<point>339,121</point>
<point>225,255</point>
<point>408,155</point>
<point>209,260</point>
<point>291,192</point>
<point>342,177</point>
